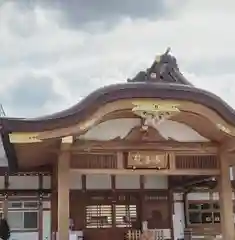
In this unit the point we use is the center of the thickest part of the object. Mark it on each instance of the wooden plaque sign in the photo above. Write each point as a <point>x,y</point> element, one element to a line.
<point>147,160</point>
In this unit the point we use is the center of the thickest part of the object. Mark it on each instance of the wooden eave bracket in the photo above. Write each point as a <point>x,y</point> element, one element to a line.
<point>228,146</point>
<point>67,139</point>
<point>66,143</point>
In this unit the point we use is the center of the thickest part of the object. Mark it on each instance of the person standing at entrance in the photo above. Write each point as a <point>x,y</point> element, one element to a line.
<point>4,230</point>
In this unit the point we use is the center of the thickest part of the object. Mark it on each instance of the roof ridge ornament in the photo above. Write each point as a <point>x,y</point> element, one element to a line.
<point>164,69</point>
<point>159,57</point>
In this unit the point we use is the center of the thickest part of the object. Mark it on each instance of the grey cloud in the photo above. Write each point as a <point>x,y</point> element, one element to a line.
<point>212,67</point>
<point>24,25</point>
<point>80,13</point>
<point>41,60</point>
<point>80,83</point>
<point>29,95</point>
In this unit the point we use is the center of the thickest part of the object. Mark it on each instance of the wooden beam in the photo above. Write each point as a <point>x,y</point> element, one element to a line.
<point>226,200</point>
<point>194,181</point>
<point>194,172</point>
<point>120,160</point>
<point>230,158</point>
<point>172,161</point>
<point>119,145</point>
<point>12,192</point>
<point>228,146</point>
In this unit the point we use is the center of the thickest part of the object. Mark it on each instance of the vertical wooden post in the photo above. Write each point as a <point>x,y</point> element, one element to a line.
<point>226,202</point>
<point>142,215</point>
<point>54,202</point>
<point>5,203</point>
<point>171,209</point>
<point>172,161</point>
<point>63,189</point>
<point>40,208</point>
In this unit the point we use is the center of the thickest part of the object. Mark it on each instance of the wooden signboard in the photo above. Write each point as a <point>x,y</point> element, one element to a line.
<point>143,160</point>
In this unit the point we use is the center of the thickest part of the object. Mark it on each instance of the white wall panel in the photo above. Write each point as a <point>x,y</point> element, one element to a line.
<point>127,181</point>
<point>24,236</point>
<point>2,182</point>
<point>75,180</point>
<point>155,182</point>
<point>101,181</point>
<point>46,182</point>
<point>23,182</point>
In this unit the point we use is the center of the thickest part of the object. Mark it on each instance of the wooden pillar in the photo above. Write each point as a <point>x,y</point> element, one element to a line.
<point>63,168</point>
<point>5,203</point>
<point>226,202</point>
<point>40,208</point>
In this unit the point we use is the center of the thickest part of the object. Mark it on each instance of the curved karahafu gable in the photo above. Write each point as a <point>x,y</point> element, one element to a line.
<point>160,92</point>
<point>112,93</point>
<point>162,80</point>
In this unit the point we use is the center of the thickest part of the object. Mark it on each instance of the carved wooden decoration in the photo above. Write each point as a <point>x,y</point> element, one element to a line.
<point>147,160</point>
<point>138,134</point>
<point>155,111</point>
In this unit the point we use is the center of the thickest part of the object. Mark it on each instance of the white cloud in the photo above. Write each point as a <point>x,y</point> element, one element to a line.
<point>78,62</point>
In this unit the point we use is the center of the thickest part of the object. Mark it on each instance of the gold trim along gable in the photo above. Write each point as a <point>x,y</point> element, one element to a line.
<point>24,137</point>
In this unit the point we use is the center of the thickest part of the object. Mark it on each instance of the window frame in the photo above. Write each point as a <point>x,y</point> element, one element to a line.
<point>24,209</point>
<point>130,213</point>
<point>209,210</point>
<point>98,208</point>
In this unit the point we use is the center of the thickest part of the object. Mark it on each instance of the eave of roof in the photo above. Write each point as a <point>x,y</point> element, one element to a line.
<point>162,80</point>
<point>120,92</point>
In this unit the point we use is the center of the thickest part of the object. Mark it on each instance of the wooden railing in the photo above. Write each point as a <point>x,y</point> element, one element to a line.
<point>93,161</point>
<point>196,162</point>
<point>146,235</point>
<point>189,234</point>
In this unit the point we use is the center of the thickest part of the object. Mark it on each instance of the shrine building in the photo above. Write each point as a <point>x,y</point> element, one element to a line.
<point>151,158</point>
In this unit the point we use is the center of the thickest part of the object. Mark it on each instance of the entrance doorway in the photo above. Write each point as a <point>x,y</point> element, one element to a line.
<point>116,214</point>
<point>111,216</point>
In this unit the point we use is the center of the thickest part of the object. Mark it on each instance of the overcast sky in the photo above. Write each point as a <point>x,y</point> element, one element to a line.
<point>55,52</point>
